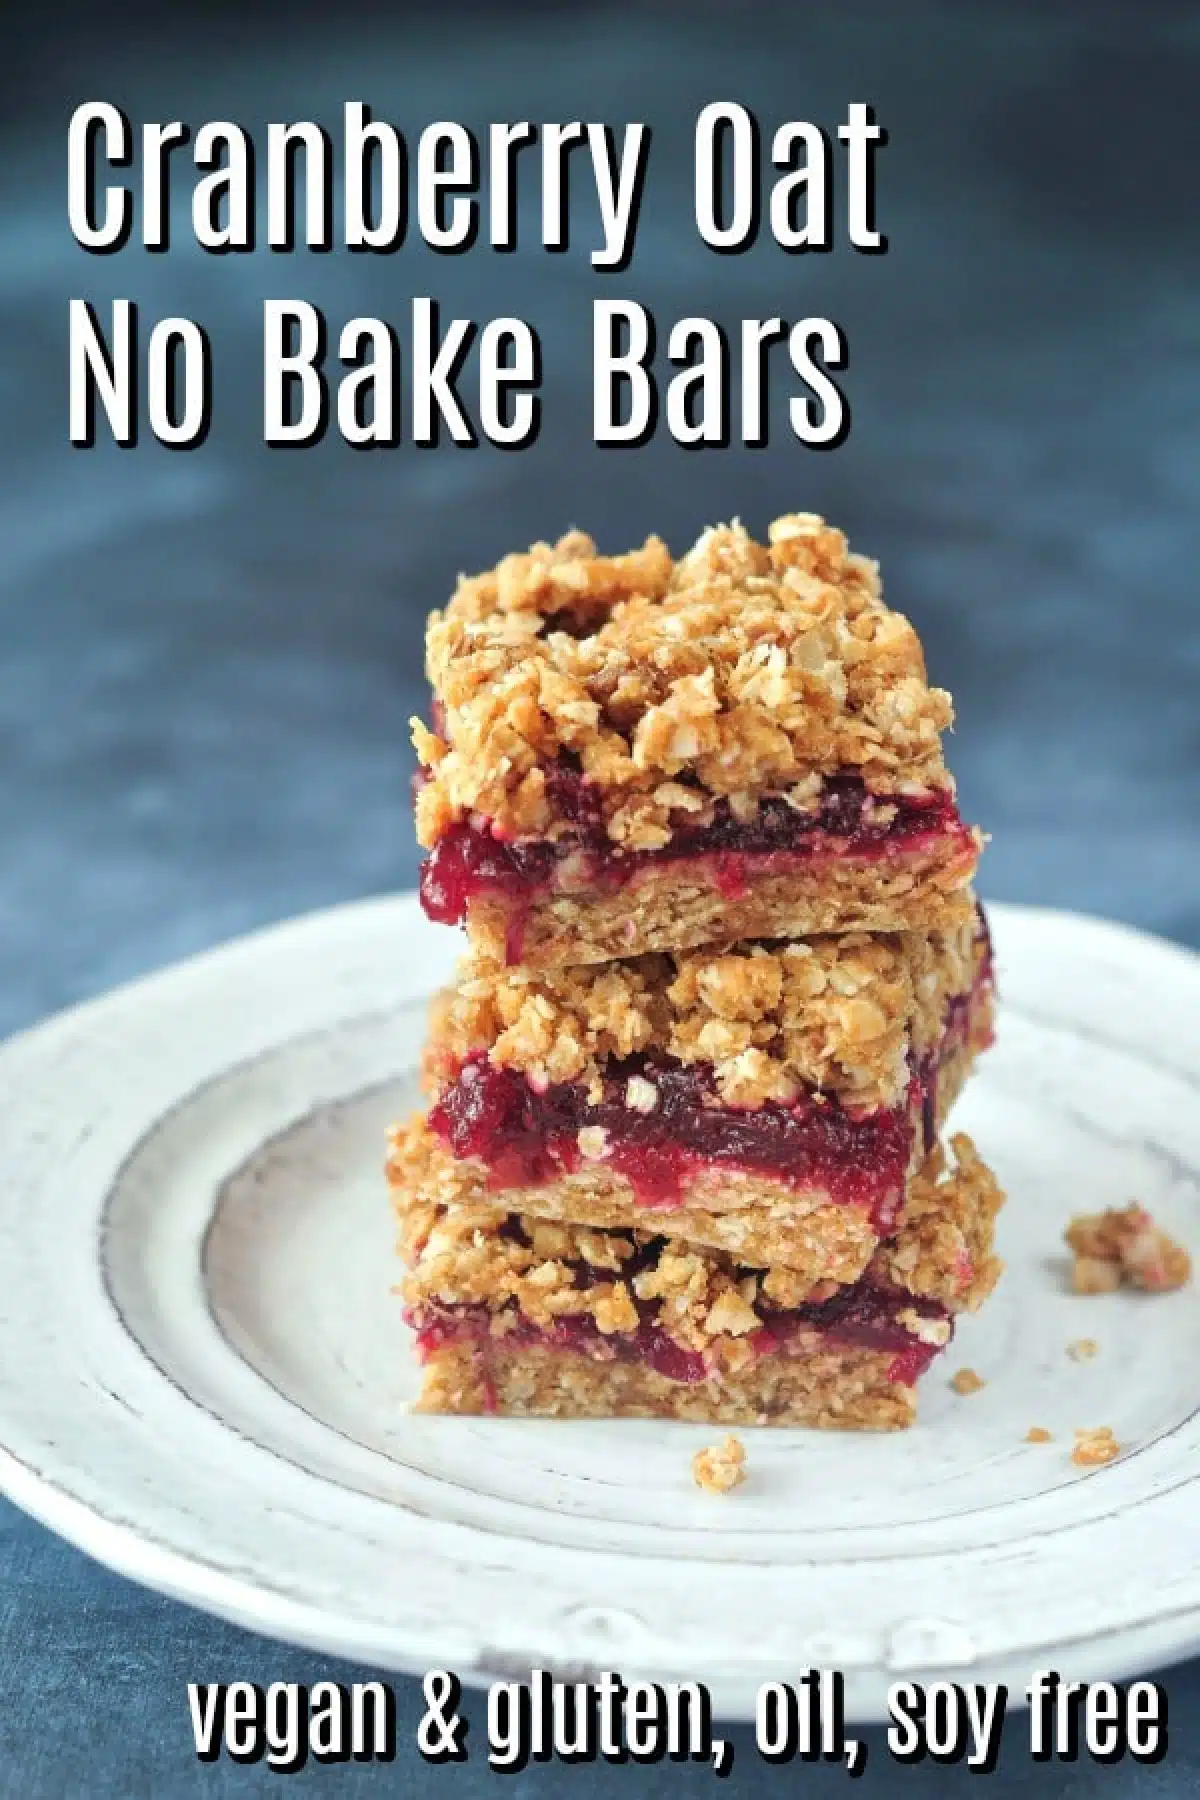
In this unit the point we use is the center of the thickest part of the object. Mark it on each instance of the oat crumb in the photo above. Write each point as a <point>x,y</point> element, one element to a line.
<point>1037,1434</point>
<point>967,1382</point>
<point>720,1468</point>
<point>1082,1349</point>
<point>1095,1447</point>
<point>1124,1246</point>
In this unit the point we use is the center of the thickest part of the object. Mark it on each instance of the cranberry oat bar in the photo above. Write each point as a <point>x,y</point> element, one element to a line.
<point>772,1100</point>
<point>636,753</point>
<point>531,1317</point>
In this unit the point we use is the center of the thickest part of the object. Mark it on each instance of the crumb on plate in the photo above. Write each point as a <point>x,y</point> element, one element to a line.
<point>1123,1245</point>
<point>720,1468</point>
<point>967,1382</point>
<point>1082,1349</point>
<point>1095,1447</point>
<point>1037,1434</point>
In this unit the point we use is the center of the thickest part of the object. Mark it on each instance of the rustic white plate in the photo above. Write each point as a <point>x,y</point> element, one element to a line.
<point>203,1372</point>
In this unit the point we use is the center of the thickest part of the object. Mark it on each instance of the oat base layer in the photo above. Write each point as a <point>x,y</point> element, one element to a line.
<point>846,1390</point>
<point>754,1219</point>
<point>677,907</point>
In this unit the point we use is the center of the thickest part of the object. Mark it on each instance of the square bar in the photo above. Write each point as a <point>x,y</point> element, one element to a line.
<point>633,754</point>
<point>770,1100</point>
<point>526,1317</point>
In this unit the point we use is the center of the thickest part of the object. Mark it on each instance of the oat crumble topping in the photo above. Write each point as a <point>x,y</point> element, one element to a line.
<point>458,1256</point>
<point>833,1013</point>
<point>966,1381</point>
<point>721,1467</point>
<point>833,1389</point>
<point>735,671</point>
<point>1037,1434</point>
<point>1123,1246</point>
<point>1082,1349</point>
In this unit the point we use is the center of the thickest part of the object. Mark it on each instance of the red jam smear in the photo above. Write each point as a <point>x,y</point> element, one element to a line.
<point>472,860</point>
<point>857,1317</point>
<point>529,1138</point>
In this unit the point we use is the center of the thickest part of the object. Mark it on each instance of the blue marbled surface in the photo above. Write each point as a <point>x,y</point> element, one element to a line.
<point>208,659</point>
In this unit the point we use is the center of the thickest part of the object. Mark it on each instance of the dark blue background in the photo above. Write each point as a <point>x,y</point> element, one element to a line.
<point>208,659</point>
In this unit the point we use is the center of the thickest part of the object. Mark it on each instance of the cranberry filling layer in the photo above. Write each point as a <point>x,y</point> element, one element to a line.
<point>529,1138</point>
<point>470,860</point>
<point>858,1317</point>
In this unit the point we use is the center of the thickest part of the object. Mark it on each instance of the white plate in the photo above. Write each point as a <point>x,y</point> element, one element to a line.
<point>203,1371</point>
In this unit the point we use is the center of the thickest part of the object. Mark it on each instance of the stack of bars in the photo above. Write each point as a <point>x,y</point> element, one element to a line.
<point>683,1153</point>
